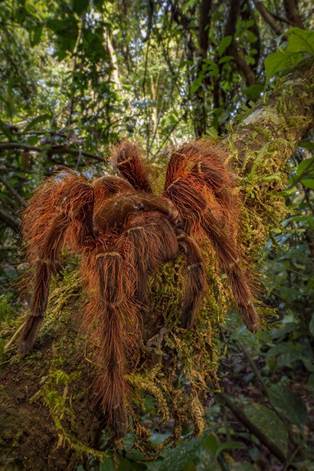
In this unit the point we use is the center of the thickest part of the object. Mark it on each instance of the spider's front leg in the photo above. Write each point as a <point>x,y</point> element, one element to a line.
<point>54,208</point>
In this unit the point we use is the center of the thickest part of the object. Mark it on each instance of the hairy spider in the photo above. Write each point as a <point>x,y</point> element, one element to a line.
<point>123,232</point>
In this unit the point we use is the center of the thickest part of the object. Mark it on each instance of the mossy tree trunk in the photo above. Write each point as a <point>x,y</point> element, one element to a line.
<point>260,147</point>
<point>39,429</point>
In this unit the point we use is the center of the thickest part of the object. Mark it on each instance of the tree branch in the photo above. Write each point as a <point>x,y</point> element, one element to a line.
<point>113,60</point>
<point>292,12</point>
<point>9,220</point>
<point>234,50</point>
<point>244,67</point>
<point>53,149</point>
<point>247,14</point>
<point>13,191</point>
<point>204,23</point>
<point>240,415</point>
<point>200,108</point>
<point>268,17</point>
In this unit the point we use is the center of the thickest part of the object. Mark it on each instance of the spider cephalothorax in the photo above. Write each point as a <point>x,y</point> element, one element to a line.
<point>123,233</point>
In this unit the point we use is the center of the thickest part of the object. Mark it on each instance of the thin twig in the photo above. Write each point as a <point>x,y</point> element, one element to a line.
<point>9,220</point>
<point>240,415</point>
<point>169,133</point>
<point>13,192</point>
<point>268,17</point>
<point>14,337</point>
<point>53,149</point>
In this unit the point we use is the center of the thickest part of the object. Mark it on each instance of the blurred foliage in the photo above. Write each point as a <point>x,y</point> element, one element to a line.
<point>299,48</point>
<point>75,77</point>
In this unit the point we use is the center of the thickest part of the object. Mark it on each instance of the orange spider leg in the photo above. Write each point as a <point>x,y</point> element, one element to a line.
<point>202,188</point>
<point>111,319</point>
<point>127,159</point>
<point>54,207</point>
<point>229,258</point>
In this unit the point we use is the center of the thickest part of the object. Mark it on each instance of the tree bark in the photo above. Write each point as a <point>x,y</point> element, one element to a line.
<point>234,50</point>
<point>114,62</point>
<point>200,112</point>
<point>268,17</point>
<point>292,12</point>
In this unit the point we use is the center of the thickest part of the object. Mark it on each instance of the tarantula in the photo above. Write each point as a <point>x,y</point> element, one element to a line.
<point>123,233</point>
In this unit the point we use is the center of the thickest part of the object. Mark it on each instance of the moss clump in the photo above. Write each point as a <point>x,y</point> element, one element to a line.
<point>259,151</point>
<point>178,368</point>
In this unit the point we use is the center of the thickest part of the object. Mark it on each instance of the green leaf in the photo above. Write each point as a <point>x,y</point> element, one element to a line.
<point>197,83</point>
<point>6,130</point>
<point>184,455</point>
<point>107,465</point>
<point>35,35</point>
<point>304,173</point>
<point>66,30</point>
<point>253,91</point>
<point>281,61</point>
<point>211,443</point>
<point>300,40</point>
<point>6,308</point>
<point>251,37</point>
<point>232,445</point>
<point>38,119</point>
<point>214,70</point>
<point>289,354</point>
<point>308,183</point>
<point>300,45</point>
<point>307,221</point>
<point>306,167</point>
<point>307,145</point>
<point>288,403</point>
<point>224,44</point>
<point>269,423</point>
<point>225,59</point>
<point>135,455</point>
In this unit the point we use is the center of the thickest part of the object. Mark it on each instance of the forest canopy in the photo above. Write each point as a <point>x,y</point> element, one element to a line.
<point>77,77</point>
